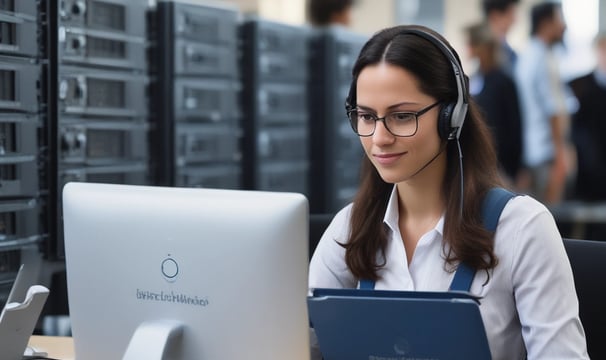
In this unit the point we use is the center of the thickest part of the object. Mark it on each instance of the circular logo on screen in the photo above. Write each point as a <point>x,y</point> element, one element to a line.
<point>170,269</point>
<point>401,346</point>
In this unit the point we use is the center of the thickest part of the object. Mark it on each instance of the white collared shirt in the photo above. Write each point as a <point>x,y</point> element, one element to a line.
<point>528,306</point>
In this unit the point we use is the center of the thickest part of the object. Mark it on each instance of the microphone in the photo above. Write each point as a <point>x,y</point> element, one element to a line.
<point>460,171</point>
<point>430,161</point>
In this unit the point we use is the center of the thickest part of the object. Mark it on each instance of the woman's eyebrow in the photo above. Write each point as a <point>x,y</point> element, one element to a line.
<point>366,108</point>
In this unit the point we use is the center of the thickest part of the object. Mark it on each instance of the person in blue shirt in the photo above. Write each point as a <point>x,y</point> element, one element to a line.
<point>546,104</point>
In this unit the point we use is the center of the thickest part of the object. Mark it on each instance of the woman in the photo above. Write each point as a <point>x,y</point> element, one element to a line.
<point>413,221</point>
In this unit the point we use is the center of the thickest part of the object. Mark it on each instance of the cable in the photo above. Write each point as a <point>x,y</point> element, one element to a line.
<point>461,180</point>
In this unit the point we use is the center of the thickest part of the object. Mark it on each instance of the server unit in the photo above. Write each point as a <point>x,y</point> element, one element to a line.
<point>274,103</point>
<point>98,125</point>
<point>335,149</point>
<point>196,105</point>
<point>20,123</point>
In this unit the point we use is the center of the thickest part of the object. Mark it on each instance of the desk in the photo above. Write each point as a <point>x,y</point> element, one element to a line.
<point>57,347</point>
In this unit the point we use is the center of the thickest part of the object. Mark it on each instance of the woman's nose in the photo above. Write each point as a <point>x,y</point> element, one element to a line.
<point>382,136</point>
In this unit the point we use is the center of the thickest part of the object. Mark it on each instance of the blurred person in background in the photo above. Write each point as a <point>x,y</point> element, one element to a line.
<point>500,16</point>
<point>495,92</point>
<point>546,103</point>
<point>329,12</point>
<point>589,126</point>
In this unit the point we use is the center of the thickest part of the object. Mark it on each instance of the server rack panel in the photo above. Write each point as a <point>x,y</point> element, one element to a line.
<point>275,51</point>
<point>283,143</point>
<point>18,176</point>
<point>224,176</point>
<point>334,147</point>
<point>98,143</point>
<point>19,223</point>
<point>203,24</point>
<point>25,9</point>
<point>136,173</point>
<point>19,155</point>
<point>10,261</point>
<point>283,176</point>
<point>193,58</point>
<point>122,17</point>
<point>205,100</point>
<point>280,103</point>
<point>102,93</point>
<point>102,48</point>
<point>206,143</point>
<point>18,36</point>
<point>19,81</point>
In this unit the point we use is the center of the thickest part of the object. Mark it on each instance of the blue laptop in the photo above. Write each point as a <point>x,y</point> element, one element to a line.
<point>397,325</point>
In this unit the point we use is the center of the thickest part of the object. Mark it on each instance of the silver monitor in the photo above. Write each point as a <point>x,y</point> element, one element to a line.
<point>175,273</point>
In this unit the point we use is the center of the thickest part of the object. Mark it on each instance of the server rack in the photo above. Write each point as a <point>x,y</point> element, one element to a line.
<point>335,150</point>
<point>98,99</point>
<point>196,90</point>
<point>274,101</point>
<point>20,122</point>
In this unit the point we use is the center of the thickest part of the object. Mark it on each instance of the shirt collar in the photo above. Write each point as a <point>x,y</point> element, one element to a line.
<point>392,214</point>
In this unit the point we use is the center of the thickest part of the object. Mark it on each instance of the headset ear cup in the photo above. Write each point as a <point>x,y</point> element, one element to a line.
<point>444,120</point>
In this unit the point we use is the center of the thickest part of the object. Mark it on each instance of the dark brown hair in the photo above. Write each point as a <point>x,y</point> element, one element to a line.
<point>468,241</point>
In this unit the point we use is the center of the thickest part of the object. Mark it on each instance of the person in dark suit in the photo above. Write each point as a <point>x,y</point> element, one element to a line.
<point>500,16</point>
<point>329,12</point>
<point>589,126</point>
<point>495,92</point>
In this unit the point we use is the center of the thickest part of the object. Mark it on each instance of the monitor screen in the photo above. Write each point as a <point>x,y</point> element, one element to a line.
<point>224,270</point>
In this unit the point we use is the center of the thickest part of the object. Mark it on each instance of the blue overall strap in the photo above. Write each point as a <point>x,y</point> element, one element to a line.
<point>493,206</point>
<point>367,284</point>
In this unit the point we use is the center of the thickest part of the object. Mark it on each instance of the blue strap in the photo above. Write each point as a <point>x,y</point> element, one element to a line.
<point>493,206</point>
<point>367,284</point>
<point>463,278</point>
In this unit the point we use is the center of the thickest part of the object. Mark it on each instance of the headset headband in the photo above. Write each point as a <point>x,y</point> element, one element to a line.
<point>459,112</point>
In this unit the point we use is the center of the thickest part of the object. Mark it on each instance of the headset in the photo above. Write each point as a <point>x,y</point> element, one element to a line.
<point>452,115</point>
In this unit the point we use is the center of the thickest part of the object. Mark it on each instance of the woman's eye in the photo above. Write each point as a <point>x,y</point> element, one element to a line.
<point>402,116</point>
<point>366,117</point>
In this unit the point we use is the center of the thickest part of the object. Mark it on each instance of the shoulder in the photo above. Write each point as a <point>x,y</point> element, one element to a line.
<point>337,230</point>
<point>523,210</point>
<point>526,224</point>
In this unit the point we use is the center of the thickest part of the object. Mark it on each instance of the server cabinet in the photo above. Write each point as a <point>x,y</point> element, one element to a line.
<point>20,124</point>
<point>197,112</point>
<point>275,116</point>
<point>336,153</point>
<point>96,83</point>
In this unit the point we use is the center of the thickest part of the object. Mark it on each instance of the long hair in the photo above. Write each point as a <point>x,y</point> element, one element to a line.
<point>464,234</point>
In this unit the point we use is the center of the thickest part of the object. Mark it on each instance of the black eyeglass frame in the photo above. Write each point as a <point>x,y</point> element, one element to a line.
<point>416,115</point>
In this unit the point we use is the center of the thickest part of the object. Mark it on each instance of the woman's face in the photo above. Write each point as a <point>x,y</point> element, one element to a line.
<point>382,89</point>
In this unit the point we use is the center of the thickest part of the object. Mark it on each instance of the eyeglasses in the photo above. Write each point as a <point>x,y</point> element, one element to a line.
<point>401,123</point>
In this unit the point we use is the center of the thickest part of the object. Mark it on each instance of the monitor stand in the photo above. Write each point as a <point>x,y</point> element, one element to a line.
<point>18,320</point>
<point>152,338</point>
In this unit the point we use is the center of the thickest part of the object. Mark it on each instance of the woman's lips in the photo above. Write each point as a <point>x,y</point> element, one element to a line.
<point>387,159</point>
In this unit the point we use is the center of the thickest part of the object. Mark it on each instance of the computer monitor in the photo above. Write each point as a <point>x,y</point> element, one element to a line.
<point>224,270</point>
